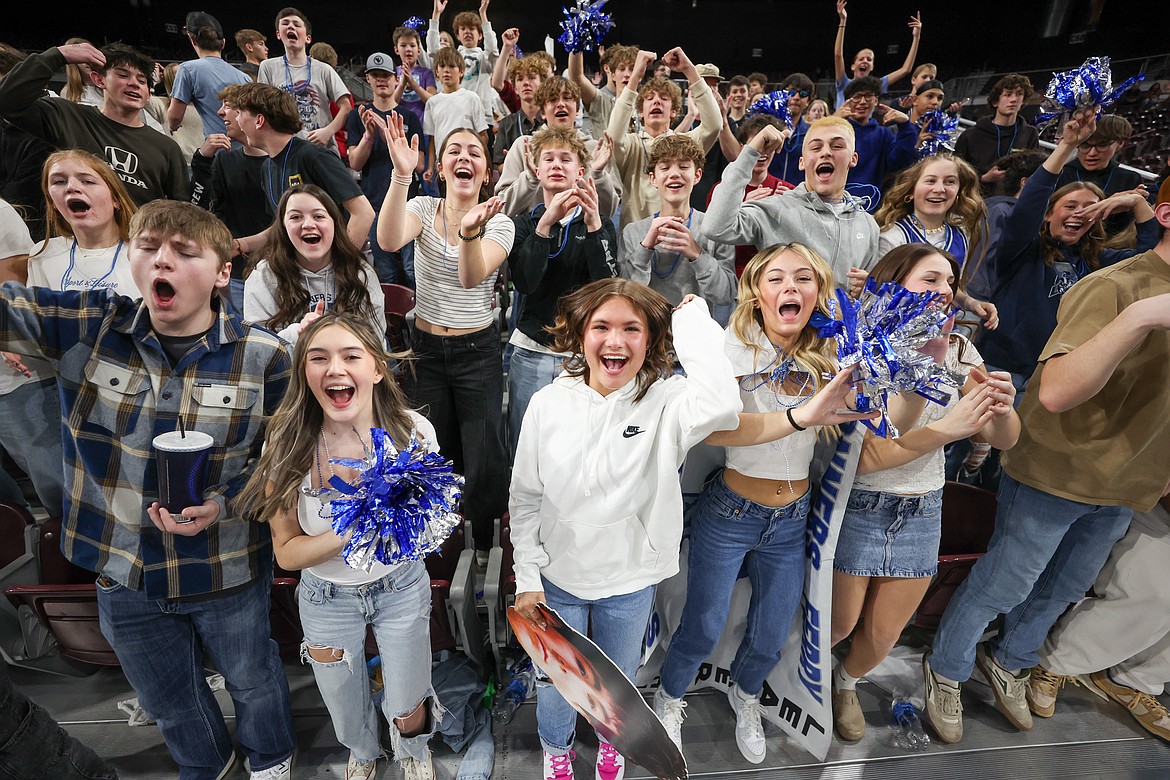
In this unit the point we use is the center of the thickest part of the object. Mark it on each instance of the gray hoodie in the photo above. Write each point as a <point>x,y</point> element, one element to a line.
<point>710,276</point>
<point>845,239</point>
<point>260,296</point>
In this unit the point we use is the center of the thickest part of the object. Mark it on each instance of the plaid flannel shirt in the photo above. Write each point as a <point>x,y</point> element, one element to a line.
<point>118,391</point>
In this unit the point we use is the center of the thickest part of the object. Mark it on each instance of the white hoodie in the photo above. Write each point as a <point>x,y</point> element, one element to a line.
<point>596,505</point>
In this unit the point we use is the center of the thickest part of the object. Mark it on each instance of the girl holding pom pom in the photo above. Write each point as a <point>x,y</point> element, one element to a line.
<point>1052,239</point>
<point>341,387</point>
<point>887,550</point>
<point>596,506</point>
<point>754,514</point>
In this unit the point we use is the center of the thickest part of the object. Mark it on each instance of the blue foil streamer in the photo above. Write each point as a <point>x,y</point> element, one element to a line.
<point>414,23</point>
<point>880,333</point>
<point>585,26</point>
<point>1089,86</point>
<point>773,104</point>
<point>942,125</point>
<point>401,506</point>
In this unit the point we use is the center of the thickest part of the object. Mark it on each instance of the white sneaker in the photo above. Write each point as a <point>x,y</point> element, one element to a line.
<point>558,767</point>
<point>418,769</point>
<point>281,771</point>
<point>359,770</point>
<point>749,728</point>
<point>1010,689</point>
<point>611,765</point>
<point>671,712</point>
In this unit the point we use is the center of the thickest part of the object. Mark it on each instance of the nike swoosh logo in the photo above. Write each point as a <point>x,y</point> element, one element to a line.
<point>631,431</point>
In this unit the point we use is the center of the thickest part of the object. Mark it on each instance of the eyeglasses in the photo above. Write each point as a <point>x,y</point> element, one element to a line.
<point>801,93</point>
<point>1100,146</point>
<point>863,97</point>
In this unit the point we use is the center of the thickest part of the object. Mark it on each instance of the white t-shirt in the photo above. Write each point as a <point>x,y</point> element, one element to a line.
<point>449,111</point>
<point>926,472</point>
<point>314,85</point>
<point>439,297</point>
<point>314,518</point>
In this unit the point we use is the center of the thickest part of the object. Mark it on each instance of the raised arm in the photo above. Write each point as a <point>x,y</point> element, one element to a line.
<point>578,77</point>
<point>908,64</point>
<point>839,43</point>
<point>396,227</point>
<point>511,38</point>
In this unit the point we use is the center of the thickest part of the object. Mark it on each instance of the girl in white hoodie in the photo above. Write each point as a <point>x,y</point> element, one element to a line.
<point>596,504</point>
<point>310,265</point>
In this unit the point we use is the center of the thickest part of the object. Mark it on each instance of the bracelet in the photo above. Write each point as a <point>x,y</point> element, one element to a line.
<point>793,422</point>
<point>480,234</point>
<point>239,247</point>
<point>398,178</point>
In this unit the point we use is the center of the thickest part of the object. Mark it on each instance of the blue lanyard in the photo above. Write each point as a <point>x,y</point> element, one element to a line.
<point>999,139</point>
<point>66,281</point>
<point>288,75</point>
<point>564,229</point>
<point>1104,187</point>
<point>677,255</point>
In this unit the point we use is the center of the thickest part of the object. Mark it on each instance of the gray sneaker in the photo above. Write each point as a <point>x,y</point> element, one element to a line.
<point>1011,690</point>
<point>944,710</point>
<point>671,712</point>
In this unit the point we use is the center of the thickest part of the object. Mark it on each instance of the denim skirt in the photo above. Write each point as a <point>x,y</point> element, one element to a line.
<point>887,535</point>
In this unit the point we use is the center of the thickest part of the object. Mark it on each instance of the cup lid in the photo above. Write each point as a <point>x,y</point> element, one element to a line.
<point>174,441</point>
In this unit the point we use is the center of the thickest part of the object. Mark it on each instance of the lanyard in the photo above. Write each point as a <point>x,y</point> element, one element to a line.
<point>66,281</point>
<point>677,255</point>
<point>288,75</point>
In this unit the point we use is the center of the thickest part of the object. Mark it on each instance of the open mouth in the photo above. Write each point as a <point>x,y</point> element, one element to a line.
<point>312,239</point>
<point>464,174</point>
<point>614,364</point>
<point>561,113</point>
<point>824,170</point>
<point>291,37</point>
<point>1073,225</point>
<point>340,395</point>
<point>674,185</point>
<point>164,292</point>
<point>655,112</point>
<point>789,311</point>
<point>77,206</point>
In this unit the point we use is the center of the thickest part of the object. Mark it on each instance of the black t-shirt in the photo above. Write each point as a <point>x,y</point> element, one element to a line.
<point>303,162</point>
<point>376,172</point>
<point>231,186</point>
<point>176,346</point>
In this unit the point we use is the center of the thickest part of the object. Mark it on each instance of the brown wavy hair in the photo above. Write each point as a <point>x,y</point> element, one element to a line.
<point>1091,243</point>
<point>55,222</point>
<point>576,309</point>
<point>660,86</point>
<point>968,212</point>
<point>349,265</point>
<point>290,441</point>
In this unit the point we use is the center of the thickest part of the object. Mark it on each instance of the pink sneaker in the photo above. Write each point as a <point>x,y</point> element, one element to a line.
<point>611,765</point>
<point>559,767</point>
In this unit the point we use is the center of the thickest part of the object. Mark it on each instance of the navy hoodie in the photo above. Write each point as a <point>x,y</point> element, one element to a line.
<point>1029,291</point>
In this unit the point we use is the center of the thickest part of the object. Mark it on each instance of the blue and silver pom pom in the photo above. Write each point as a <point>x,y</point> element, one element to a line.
<point>414,23</point>
<point>401,506</point>
<point>585,26</point>
<point>942,125</point>
<point>880,333</point>
<point>773,104</point>
<point>1089,86</point>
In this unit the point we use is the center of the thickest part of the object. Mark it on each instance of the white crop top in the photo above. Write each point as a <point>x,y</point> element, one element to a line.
<point>786,458</point>
<point>927,472</point>
<point>314,518</point>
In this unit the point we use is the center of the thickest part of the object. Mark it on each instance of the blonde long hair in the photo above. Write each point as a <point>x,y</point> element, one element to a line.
<point>813,353</point>
<point>968,212</point>
<point>290,442</point>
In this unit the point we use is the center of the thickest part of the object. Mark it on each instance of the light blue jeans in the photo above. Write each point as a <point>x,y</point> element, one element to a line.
<point>30,429</point>
<point>529,372</point>
<point>618,628</point>
<point>1045,553</point>
<point>398,606</point>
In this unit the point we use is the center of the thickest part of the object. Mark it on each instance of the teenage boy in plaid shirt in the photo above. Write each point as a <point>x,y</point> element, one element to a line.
<point>170,585</point>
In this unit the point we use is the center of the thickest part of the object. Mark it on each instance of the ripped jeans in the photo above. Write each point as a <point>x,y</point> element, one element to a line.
<point>398,606</point>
